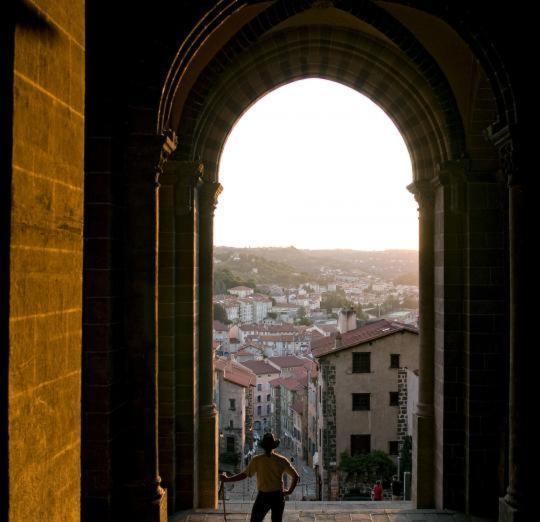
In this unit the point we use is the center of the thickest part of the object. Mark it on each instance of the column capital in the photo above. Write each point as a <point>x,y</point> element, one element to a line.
<point>424,193</point>
<point>453,175</point>
<point>149,153</point>
<point>185,177</point>
<point>182,173</point>
<point>503,137</point>
<point>209,192</point>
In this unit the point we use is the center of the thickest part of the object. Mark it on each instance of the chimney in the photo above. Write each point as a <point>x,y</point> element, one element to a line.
<point>346,320</point>
<point>338,342</point>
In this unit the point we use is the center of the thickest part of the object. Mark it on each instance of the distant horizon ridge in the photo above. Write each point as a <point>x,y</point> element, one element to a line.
<point>321,249</point>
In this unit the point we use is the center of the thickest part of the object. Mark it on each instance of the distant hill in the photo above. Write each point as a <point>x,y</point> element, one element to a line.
<point>291,265</point>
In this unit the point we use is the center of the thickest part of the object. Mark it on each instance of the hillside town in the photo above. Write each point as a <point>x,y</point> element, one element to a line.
<point>330,368</point>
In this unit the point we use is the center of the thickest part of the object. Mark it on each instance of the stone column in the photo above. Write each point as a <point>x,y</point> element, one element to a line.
<point>423,453</point>
<point>177,325</point>
<point>208,418</point>
<point>145,498</point>
<point>516,506</point>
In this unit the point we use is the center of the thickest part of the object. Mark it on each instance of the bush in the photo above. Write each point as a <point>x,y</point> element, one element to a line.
<point>367,467</point>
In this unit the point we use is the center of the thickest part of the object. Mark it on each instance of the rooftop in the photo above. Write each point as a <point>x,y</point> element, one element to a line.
<point>364,334</point>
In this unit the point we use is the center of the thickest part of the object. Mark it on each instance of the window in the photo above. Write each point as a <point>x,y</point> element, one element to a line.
<point>257,425</point>
<point>259,387</point>
<point>361,362</point>
<point>258,410</point>
<point>360,401</point>
<point>268,397</point>
<point>231,424</point>
<point>258,398</point>
<point>360,444</point>
<point>232,404</point>
<point>230,445</point>
<point>268,410</point>
<point>394,360</point>
<point>394,398</point>
<point>393,447</point>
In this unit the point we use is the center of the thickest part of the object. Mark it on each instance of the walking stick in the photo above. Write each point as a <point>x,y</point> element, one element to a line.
<point>222,491</point>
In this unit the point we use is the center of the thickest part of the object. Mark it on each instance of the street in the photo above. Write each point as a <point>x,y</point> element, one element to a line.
<point>246,490</point>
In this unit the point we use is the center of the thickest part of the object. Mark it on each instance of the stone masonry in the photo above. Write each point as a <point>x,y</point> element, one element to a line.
<point>402,430</point>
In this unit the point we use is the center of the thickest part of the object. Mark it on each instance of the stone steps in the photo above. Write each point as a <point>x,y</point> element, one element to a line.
<point>330,512</point>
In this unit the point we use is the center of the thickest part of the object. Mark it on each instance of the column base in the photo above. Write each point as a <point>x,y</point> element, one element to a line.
<point>423,463</point>
<point>208,457</point>
<point>510,513</point>
<point>148,510</point>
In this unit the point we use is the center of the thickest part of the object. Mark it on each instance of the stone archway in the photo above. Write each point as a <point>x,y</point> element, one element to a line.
<point>416,95</point>
<point>443,114</point>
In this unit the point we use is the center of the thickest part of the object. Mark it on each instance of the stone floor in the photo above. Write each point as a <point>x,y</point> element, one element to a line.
<point>330,512</point>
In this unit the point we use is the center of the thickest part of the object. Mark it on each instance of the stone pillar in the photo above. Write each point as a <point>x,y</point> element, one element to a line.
<point>145,498</point>
<point>177,325</point>
<point>208,453</point>
<point>516,506</point>
<point>185,274</point>
<point>423,445</point>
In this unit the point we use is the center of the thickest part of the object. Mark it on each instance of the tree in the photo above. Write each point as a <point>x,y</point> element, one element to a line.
<point>367,467</point>
<point>336,299</point>
<point>405,456</point>
<point>220,314</point>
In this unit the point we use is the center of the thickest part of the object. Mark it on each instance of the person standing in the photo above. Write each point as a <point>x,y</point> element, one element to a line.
<point>269,468</point>
<point>377,491</point>
<point>396,488</point>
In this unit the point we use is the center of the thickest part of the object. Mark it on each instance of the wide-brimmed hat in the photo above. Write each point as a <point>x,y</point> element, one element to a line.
<point>269,441</point>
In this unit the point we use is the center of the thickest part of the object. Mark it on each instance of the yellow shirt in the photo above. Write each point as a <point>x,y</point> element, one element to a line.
<point>269,470</point>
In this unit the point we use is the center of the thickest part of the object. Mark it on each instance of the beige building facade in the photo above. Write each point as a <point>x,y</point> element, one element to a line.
<point>358,393</point>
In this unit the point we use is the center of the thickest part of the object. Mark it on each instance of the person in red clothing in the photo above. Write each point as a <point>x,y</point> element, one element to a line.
<point>377,491</point>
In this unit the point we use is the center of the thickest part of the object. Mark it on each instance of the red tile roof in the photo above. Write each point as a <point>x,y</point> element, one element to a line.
<point>261,367</point>
<point>298,406</point>
<point>235,372</point>
<point>289,361</point>
<point>358,336</point>
<point>220,327</point>
<point>291,383</point>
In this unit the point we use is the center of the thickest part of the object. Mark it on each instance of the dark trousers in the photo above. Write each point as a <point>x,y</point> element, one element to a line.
<point>265,501</point>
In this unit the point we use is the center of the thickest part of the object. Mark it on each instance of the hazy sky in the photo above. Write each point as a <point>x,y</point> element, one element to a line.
<point>315,164</point>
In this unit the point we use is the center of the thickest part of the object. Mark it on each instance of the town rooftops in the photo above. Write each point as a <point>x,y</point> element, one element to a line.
<point>241,288</point>
<point>364,334</point>
<point>268,328</point>
<point>220,327</point>
<point>235,372</point>
<point>289,361</point>
<point>290,383</point>
<point>261,367</point>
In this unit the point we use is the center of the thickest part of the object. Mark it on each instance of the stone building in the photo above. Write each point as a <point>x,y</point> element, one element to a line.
<point>263,416</point>
<point>233,396</point>
<point>358,391</point>
<point>111,134</point>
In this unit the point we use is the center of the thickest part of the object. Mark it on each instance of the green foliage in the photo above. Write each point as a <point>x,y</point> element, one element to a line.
<point>220,314</point>
<point>410,278</point>
<point>405,456</point>
<point>336,299</point>
<point>367,467</point>
<point>410,302</point>
<point>272,315</point>
<point>225,279</point>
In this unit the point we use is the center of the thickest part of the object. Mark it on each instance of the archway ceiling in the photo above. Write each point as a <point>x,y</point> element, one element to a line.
<point>453,137</point>
<point>349,57</point>
<point>459,65</point>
